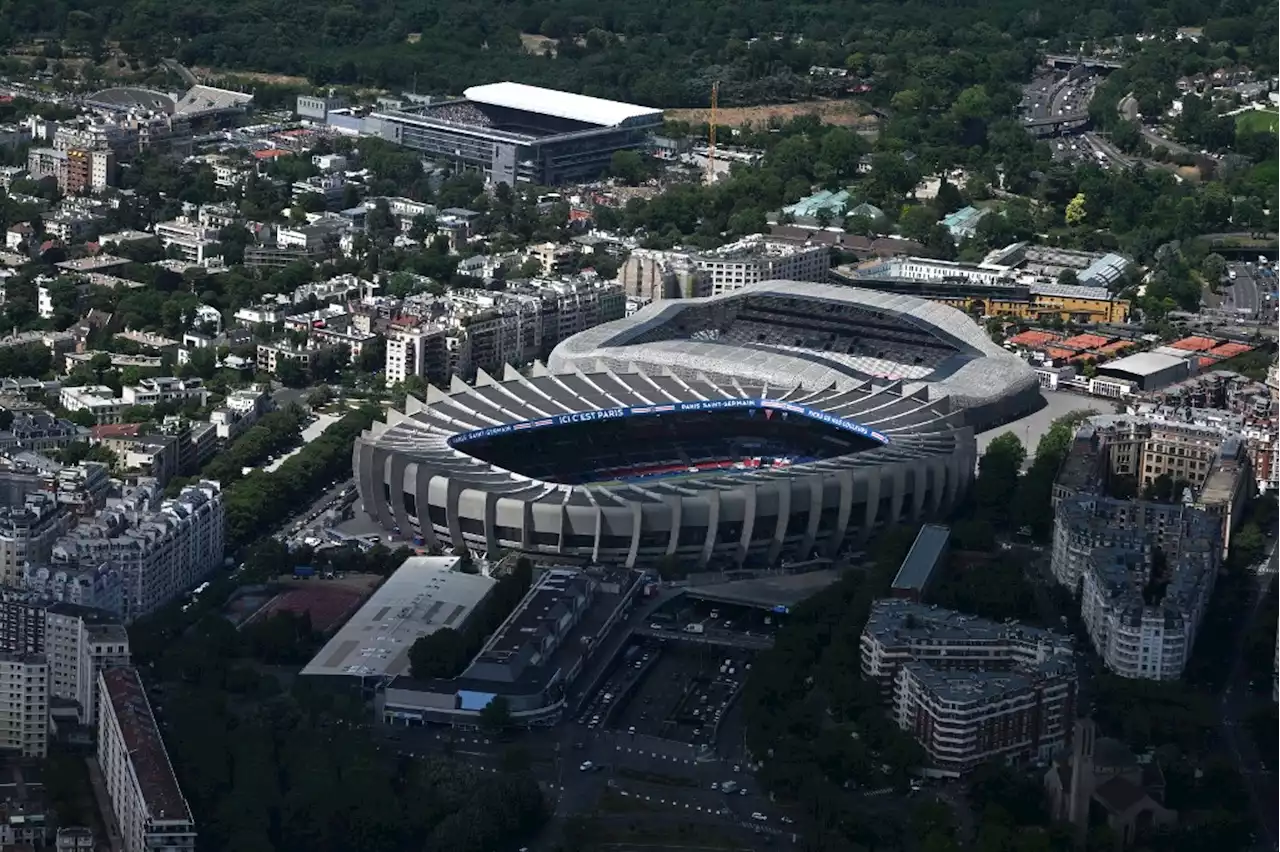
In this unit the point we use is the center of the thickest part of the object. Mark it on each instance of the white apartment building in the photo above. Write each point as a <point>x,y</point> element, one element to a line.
<point>79,643</point>
<point>759,258</point>
<point>193,241</point>
<point>418,350</point>
<point>267,314</point>
<point>147,802</point>
<point>153,391</point>
<point>106,407</point>
<point>24,704</point>
<point>159,553</point>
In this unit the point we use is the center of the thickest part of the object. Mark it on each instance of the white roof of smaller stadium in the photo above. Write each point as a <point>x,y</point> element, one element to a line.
<point>424,595</point>
<point>558,104</point>
<point>200,99</point>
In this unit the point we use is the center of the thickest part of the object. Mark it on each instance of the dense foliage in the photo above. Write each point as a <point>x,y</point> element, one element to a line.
<point>266,768</point>
<point>664,53</point>
<point>261,500</point>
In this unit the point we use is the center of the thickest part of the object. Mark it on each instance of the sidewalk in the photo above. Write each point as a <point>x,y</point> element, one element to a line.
<point>104,805</point>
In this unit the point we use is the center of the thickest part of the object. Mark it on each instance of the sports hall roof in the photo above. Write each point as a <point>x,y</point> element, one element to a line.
<point>558,104</point>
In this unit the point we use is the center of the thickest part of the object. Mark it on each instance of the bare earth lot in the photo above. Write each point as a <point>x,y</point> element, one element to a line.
<point>842,113</point>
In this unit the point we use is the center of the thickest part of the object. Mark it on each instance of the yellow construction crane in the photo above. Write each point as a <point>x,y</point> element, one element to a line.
<point>711,143</point>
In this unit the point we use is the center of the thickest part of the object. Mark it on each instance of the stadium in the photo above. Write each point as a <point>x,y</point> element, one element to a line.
<point>516,133</point>
<point>816,336</point>
<point>127,98</point>
<point>631,468</point>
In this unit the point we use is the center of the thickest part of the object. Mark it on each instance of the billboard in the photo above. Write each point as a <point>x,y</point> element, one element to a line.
<point>698,405</point>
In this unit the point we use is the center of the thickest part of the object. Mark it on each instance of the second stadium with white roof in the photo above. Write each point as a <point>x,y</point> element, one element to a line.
<point>633,447</point>
<point>517,133</point>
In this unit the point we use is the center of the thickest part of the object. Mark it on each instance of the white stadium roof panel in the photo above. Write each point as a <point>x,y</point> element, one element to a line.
<point>558,104</point>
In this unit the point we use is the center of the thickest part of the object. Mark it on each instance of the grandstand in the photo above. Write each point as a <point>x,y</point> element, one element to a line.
<point>816,336</point>
<point>129,98</point>
<point>209,102</point>
<point>628,467</point>
<point>516,133</point>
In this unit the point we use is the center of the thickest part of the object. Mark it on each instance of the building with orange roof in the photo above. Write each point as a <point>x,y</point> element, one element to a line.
<point>1032,339</point>
<point>1115,347</point>
<point>270,154</point>
<point>1229,350</point>
<point>1195,344</point>
<point>1085,341</point>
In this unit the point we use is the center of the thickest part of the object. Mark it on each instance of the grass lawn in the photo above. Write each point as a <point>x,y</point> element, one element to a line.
<point>1257,121</point>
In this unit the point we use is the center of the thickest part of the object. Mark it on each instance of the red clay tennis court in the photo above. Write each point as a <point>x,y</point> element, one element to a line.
<point>329,605</point>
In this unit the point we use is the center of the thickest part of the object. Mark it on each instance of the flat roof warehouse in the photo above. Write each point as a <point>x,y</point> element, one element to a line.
<point>424,595</point>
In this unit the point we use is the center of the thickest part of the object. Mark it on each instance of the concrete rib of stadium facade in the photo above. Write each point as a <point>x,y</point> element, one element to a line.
<point>413,473</point>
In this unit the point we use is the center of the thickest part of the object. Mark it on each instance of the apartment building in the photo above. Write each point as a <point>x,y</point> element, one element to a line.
<point>553,258</point>
<point>47,163</point>
<point>192,241</point>
<point>24,704</point>
<point>416,350</point>
<point>147,802</point>
<point>89,171</point>
<point>1145,570</point>
<point>64,579</point>
<point>967,689</point>
<point>28,533</point>
<point>272,355</point>
<point>1145,573</point>
<point>760,258</point>
<point>127,135</point>
<point>40,431</point>
<point>656,275</point>
<point>154,391</point>
<point>22,623</point>
<point>486,330</point>
<point>1208,463</point>
<point>79,643</point>
<point>160,548</point>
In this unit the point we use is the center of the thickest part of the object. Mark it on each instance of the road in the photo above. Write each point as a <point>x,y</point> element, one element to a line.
<point>1031,428</point>
<point>1247,295</point>
<point>1259,778</point>
<point>182,71</point>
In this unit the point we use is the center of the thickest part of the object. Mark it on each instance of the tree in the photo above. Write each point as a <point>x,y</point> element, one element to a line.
<point>629,167</point>
<point>1076,212</point>
<point>1214,267</point>
<point>496,715</point>
<point>1068,277</point>
<point>998,471</point>
<point>290,374</point>
<point>916,222</point>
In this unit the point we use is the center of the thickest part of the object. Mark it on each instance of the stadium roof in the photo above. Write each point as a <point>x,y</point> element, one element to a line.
<point>558,104</point>
<point>981,372</point>
<point>424,595</point>
<point>202,99</point>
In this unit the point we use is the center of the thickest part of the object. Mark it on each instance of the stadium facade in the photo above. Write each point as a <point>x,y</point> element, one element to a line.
<point>632,468</point>
<point>784,420</point>
<point>516,133</point>
<point>783,333</point>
